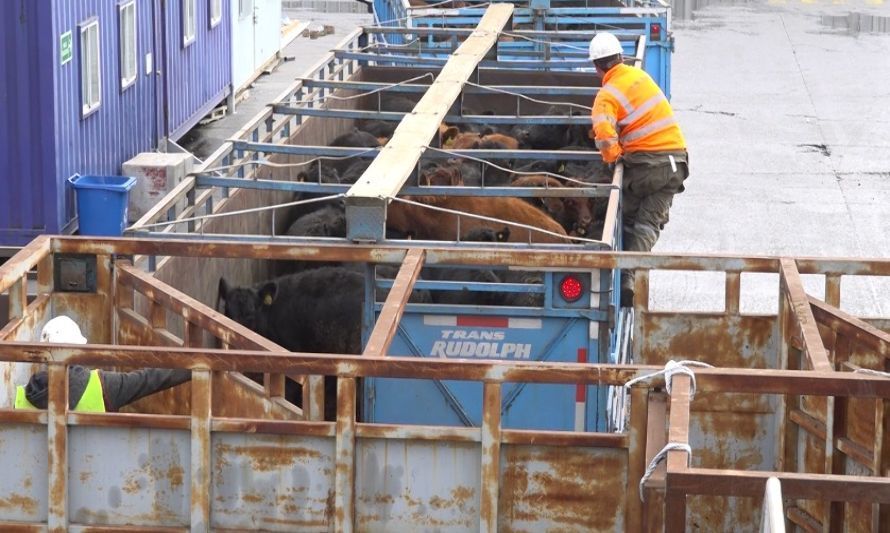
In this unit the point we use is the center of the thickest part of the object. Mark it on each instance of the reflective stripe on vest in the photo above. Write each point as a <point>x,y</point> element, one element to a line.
<point>632,101</point>
<point>91,401</point>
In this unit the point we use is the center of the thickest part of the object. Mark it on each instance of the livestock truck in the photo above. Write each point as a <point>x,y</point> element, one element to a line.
<point>571,315</point>
<point>430,443</point>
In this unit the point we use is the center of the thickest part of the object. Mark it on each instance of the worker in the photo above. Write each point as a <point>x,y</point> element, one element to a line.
<point>93,391</point>
<point>633,123</point>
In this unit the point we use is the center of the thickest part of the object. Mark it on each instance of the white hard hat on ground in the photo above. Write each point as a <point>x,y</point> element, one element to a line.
<point>604,44</point>
<point>62,330</point>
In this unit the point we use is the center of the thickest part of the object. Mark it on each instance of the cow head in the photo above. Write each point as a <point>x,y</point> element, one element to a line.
<point>245,304</point>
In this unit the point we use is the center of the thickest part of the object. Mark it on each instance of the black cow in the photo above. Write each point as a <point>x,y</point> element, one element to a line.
<point>317,310</point>
<point>466,297</point>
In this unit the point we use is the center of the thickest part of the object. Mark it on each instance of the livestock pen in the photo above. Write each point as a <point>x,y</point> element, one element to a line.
<point>800,396</point>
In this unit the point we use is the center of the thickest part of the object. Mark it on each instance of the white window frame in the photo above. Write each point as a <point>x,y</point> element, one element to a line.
<point>129,55</point>
<point>216,12</point>
<point>189,21</point>
<point>90,100</point>
<point>245,8</point>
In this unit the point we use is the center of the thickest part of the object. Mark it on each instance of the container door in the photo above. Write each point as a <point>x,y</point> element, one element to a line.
<point>243,41</point>
<point>267,32</point>
<point>486,337</point>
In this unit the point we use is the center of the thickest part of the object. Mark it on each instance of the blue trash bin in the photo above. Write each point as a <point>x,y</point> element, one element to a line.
<point>102,203</point>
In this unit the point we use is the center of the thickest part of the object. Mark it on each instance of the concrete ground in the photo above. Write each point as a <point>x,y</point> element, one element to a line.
<point>786,110</point>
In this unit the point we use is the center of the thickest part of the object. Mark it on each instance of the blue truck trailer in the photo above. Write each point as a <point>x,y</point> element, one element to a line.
<point>575,316</point>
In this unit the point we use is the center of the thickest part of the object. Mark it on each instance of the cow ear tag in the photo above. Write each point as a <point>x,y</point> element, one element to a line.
<point>267,299</point>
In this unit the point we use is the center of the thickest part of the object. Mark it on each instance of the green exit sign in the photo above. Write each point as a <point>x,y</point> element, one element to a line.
<point>66,49</point>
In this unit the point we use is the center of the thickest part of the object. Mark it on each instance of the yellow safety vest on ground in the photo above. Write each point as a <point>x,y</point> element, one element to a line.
<point>92,400</point>
<point>631,114</point>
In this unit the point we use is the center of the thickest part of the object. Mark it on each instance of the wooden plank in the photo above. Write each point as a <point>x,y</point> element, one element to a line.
<point>850,326</point>
<point>677,460</point>
<point>805,323</point>
<point>397,161</point>
<point>394,306</point>
<point>636,457</point>
<point>750,483</point>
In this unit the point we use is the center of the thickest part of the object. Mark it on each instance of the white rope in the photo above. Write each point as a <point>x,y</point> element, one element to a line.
<point>541,41</point>
<point>496,220</point>
<point>671,369</point>
<point>239,212</point>
<point>363,94</point>
<point>870,372</point>
<point>529,98</point>
<point>524,173</point>
<point>659,457</point>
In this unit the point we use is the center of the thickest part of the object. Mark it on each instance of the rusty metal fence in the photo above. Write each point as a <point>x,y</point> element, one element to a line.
<point>224,453</point>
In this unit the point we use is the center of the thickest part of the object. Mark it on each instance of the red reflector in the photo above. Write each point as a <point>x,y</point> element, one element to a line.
<point>570,288</point>
<point>655,32</point>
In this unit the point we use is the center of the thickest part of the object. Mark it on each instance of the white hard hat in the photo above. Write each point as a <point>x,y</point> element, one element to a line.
<point>604,44</point>
<point>62,330</point>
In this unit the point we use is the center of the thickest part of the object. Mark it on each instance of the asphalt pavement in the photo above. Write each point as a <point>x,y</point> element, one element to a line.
<point>786,109</point>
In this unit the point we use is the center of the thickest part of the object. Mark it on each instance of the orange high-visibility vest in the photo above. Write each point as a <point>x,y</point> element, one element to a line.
<point>631,114</point>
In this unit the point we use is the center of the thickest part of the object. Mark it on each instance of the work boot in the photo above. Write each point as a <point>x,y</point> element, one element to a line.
<point>627,289</point>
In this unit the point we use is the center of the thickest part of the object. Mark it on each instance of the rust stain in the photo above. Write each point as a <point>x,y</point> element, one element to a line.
<point>175,475</point>
<point>251,497</point>
<point>19,502</point>
<point>735,440</point>
<point>269,458</point>
<point>27,482</point>
<point>563,487</point>
<point>131,486</point>
<point>84,476</point>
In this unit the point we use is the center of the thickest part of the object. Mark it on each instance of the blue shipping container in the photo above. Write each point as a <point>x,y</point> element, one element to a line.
<point>144,93</point>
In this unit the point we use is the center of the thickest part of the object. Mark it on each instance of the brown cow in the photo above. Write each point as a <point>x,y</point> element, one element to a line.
<point>573,213</point>
<point>428,224</point>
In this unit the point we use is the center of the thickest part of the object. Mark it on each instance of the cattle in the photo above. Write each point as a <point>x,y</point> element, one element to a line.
<point>574,213</point>
<point>317,310</point>
<point>465,296</point>
<point>354,139</point>
<point>429,224</point>
<point>445,174</point>
<point>355,170</point>
<point>552,136</point>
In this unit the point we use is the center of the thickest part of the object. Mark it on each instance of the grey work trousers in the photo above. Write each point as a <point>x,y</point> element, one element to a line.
<point>650,183</point>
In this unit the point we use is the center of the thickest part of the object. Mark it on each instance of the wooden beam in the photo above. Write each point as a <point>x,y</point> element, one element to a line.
<point>805,323</point>
<point>366,201</point>
<point>394,306</point>
<point>677,460</point>
<point>850,326</point>
<point>750,484</point>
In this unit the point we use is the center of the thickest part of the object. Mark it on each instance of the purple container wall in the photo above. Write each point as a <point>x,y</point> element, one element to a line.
<point>199,75</point>
<point>27,183</point>
<point>44,139</point>
<point>126,122</point>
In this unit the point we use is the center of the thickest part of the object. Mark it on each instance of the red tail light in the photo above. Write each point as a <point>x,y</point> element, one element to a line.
<point>655,32</point>
<point>570,288</point>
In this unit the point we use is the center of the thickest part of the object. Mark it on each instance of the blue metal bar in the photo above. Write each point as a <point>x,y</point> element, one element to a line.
<point>468,286</point>
<point>391,116</point>
<point>487,63</point>
<point>500,310</point>
<point>415,88</point>
<point>594,191</point>
<point>445,31</point>
<point>340,151</point>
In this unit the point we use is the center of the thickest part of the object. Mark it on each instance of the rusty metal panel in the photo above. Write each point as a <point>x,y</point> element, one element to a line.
<point>722,340</point>
<point>273,483</point>
<point>23,483</point>
<point>562,489</point>
<point>404,485</point>
<point>135,476</point>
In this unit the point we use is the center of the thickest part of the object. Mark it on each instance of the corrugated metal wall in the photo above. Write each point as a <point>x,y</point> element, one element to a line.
<point>27,191</point>
<point>200,74</point>
<point>125,123</point>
